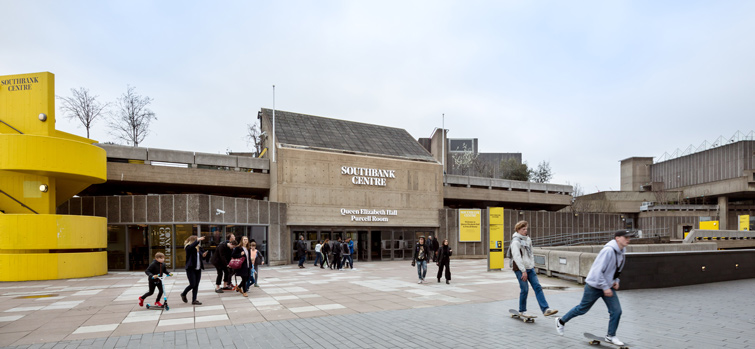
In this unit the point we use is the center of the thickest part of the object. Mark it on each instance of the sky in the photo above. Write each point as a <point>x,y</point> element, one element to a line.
<point>579,84</point>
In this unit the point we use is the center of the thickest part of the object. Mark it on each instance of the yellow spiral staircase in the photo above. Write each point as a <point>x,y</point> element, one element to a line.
<point>40,168</point>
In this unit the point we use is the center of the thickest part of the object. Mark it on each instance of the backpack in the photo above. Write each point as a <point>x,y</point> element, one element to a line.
<point>508,252</point>
<point>345,248</point>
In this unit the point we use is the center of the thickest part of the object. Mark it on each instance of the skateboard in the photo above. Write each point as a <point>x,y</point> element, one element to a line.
<point>515,314</point>
<point>595,340</point>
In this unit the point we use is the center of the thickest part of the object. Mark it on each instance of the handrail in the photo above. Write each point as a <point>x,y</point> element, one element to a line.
<point>19,202</point>
<point>7,124</point>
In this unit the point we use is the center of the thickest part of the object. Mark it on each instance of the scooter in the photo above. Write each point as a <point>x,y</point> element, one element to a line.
<point>165,298</point>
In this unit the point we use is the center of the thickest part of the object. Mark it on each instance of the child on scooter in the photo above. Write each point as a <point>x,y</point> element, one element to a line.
<point>155,270</point>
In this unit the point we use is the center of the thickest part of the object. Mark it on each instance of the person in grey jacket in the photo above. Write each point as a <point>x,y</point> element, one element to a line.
<point>523,262</point>
<point>603,282</point>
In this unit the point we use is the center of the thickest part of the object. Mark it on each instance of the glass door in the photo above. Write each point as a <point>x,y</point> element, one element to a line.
<point>116,247</point>
<point>362,246</point>
<point>138,257</point>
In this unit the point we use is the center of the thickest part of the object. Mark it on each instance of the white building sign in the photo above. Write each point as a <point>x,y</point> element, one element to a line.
<point>368,176</point>
<point>368,215</point>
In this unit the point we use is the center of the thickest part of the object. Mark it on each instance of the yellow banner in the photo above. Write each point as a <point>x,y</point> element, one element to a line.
<point>744,222</point>
<point>709,225</point>
<point>470,229</point>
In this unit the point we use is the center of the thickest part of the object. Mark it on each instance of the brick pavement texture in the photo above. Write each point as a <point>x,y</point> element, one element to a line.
<point>472,312</point>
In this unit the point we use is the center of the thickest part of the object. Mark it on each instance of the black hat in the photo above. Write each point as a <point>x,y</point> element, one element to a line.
<point>627,233</point>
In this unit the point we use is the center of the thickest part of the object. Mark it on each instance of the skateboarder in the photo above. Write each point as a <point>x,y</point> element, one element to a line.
<point>603,282</point>
<point>523,265</point>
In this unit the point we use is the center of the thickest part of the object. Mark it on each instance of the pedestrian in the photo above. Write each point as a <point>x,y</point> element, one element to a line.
<point>220,260</point>
<point>420,258</point>
<point>432,246</point>
<point>318,253</point>
<point>444,260</point>
<point>301,251</point>
<point>524,268</point>
<point>346,251</point>
<point>155,271</point>
<point>325,249</point>
<point>603,282</point>
<point>351,252</point>
<point>337,254</point>
<point>194,266</point>
<point>245,271</point>
<point>259,260</point>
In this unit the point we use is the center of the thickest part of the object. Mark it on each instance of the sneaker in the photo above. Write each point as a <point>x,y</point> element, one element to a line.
<point>524,314</point>
<point>549,312</point>
<point>196,303</point>
<point>244,294</point>
<point>218,290</point>
<point>183,298</point>
<point>614,340</point>
<point>141,301</point>
<point>448,282</point>
<point>438,280</point>
<point>420,281</point>
<point>559,327</point>
<point>158,304</point>
<point>255,285</point>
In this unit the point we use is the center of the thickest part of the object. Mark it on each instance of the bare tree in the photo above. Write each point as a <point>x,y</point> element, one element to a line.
<point>82,106</point>
<point>131,118</point>
<point>465,160</point>
<point>254,138</point>
<point>543,173</point>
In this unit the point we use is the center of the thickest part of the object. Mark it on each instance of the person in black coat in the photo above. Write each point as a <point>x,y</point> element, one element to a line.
<point>220,260</point>
<point>336,254</point>
<point>444,260</point>
<point>301,251</point>
<point>154,271</point>
<point>325,249</point>
<point>242,250</point>
<point>194,266</point>
<point>434,247</point>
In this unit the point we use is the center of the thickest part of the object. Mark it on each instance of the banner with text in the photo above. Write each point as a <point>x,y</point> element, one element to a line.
<point>470,228</point>
<point>495,252</point>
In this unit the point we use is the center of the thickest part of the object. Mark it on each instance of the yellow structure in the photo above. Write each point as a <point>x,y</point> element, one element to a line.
<point>40,168</point>
<point>709,225</point>
<point>495,253</point>
<point>744,222</point>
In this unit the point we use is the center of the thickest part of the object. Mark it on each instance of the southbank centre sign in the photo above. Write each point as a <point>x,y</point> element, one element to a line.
<point>368,176</point>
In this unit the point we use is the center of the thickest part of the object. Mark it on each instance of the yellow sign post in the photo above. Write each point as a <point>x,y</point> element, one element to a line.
<point>41,168</point>
<point>495,251</point>
<point>470,228</point>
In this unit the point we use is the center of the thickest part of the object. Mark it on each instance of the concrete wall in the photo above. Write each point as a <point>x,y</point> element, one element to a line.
<point>313,186</point>
<point>635,172</point>
<point>670,224</point>
<point>663,265</point>
<point>724,162</point>
<point>189,209</point>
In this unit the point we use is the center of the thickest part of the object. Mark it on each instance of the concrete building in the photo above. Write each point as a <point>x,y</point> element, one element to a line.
<point>672,197</point>
<point>321,178</point>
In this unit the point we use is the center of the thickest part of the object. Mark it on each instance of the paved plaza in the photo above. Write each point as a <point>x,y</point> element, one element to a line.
<point>377,305</point>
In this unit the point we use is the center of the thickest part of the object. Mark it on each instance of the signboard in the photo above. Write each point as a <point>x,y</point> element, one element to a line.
<point>709,225</point>
<point>495,252</point>
<point>744,222</point>
<point>470,229</point>
<point>368,215</point>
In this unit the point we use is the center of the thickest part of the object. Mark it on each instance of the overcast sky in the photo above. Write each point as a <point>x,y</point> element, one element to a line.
<point>579,84</point>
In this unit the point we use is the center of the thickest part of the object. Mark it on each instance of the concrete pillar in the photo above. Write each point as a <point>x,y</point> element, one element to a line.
<point>723,213</point>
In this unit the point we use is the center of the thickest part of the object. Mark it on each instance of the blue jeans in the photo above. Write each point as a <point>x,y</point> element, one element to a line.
<point>347,259</point>
<point>301,259</point>
<point>524,290</point>
<point>318,258</point>
<point>589,298</point>
<point>421,269</point>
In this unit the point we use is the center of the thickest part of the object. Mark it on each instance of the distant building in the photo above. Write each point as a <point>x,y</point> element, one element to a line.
<point>486,165</point>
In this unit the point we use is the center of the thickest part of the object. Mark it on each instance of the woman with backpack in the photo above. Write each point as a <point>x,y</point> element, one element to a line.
<point>523,262</point>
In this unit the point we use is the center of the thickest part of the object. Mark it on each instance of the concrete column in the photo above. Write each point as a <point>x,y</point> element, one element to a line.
<point>723,213</point>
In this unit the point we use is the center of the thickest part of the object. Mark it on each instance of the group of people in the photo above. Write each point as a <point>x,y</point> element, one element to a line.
<point>602,280</point>
<point>440,254</point>
<point>248,260</point>
<point>336,255</point>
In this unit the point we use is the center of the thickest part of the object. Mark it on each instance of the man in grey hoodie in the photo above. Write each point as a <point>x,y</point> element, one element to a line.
<point>523,262</point>
<point>603,282</point>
